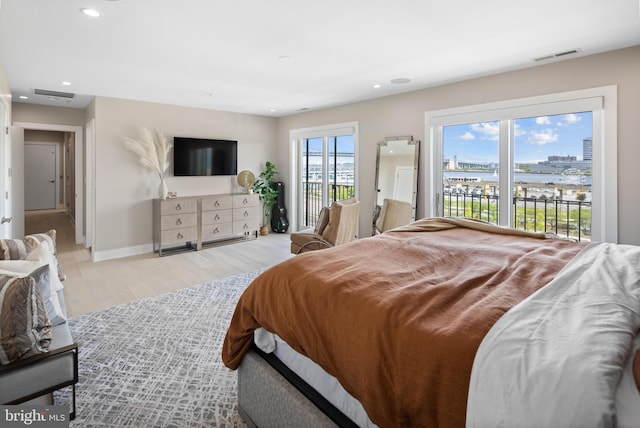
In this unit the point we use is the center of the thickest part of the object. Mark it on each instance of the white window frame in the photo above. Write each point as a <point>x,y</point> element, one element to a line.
<point>295,155</point>
<point>602,101</point>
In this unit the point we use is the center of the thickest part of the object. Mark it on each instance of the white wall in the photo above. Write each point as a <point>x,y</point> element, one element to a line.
<point>124,190</point>
<point>404,115</point>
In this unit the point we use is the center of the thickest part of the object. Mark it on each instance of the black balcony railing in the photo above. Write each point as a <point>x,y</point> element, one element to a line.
<point>570,218</point>
<point>312,199</point>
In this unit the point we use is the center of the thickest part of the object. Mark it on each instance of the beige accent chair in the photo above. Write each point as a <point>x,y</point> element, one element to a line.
<point>339,228</point>
<point>393,214</point>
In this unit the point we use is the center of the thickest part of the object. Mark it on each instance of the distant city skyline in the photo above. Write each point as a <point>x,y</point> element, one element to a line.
<point>536,138</point>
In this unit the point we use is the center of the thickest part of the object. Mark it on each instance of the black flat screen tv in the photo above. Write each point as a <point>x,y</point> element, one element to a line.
<point>201,156</point>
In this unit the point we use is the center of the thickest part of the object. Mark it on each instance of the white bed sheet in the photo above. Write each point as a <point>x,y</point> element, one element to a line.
<point>563,356</point>
<point>327,385</point>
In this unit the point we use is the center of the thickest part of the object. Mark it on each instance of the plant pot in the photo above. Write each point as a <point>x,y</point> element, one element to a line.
<point>264,231</point>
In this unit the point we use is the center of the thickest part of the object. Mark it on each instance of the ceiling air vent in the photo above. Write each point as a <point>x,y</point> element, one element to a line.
<point>56,94</point>
<point>556,56</point>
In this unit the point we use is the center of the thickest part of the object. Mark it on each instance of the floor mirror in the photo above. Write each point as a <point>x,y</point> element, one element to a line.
<point>396,182</point>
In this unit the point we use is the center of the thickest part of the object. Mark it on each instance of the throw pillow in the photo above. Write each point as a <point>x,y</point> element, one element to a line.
<point>41,273</point>
<point>24,327</point>
<point>323,220</point>
<point>42,254</point>
<point>14,249</point>
<point>49,237</point>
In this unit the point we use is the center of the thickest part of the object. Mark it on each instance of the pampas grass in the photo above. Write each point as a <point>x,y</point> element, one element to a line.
<point>152,150</point>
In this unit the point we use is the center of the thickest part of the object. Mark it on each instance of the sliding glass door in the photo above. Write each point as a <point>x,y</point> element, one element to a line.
<point>327,173</point>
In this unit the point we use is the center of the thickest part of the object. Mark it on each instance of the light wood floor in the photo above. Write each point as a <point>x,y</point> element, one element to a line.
<point>94,286</point>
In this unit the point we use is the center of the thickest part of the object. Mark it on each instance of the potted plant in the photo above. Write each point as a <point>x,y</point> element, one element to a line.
<point>266,193</point>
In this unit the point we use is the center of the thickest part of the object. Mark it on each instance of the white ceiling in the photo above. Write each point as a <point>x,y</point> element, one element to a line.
<point>281,57</point>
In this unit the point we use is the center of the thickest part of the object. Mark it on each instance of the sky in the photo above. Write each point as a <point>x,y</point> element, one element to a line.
<point>536,138</point>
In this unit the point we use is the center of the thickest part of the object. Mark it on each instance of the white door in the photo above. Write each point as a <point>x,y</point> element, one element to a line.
<point>40,181</point>
<point>5,180</point>
<point>403,184</point>
<point>17,181</point>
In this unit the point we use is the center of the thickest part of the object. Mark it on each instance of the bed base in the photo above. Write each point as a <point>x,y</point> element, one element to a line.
<point>270,395</point>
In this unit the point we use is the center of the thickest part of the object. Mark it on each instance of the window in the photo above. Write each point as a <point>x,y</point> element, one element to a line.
<point>536,164</point>
<point>325,169</point>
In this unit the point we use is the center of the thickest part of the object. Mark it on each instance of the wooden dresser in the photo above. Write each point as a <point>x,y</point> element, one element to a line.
<point>191,222</point>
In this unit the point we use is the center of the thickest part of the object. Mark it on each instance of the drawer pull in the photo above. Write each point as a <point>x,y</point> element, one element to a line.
<point>217,217</point>
<point>178,207</point>
<point>216,231</point>
<point>246,214</point>
<point>179,221</point>
<point>180,235</point>
<point>246,201</point>
<point>217,204</point>
<point>246,226</point>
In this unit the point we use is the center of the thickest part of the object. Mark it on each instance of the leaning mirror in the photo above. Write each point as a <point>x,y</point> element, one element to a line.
<point>396,182</point>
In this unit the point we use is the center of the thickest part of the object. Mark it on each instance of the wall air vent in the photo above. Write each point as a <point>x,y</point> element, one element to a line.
<point>556,56</point>
<point>56,94</point>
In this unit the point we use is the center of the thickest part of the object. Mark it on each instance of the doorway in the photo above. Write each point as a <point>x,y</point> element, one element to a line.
<point>76,143</point>
<point>40,159</point>
<point>403,183</point>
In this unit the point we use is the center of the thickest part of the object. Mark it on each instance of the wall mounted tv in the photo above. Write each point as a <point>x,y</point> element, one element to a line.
<point>200,156</point>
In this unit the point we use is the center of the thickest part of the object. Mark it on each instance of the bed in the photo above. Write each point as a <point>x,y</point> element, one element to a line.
<point>448,322</point>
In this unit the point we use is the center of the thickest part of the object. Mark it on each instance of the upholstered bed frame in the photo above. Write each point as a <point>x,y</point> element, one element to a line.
<point>270,394</point>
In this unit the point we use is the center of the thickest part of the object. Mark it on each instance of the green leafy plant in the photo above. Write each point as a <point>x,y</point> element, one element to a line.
<point>264,188</point>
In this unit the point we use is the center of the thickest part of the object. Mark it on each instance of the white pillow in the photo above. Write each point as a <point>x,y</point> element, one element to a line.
<point>43,254</point>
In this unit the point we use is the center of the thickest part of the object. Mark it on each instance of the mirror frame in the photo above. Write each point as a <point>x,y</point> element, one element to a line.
<point>416,160</point>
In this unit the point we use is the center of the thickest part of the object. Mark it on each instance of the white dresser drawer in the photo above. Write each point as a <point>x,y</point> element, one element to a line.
<point>188,222</point>
<point>217,217</point>
<point>178,236</point>
<point>240,227</point>
<point>177,221</point>
<point>217,202</point>
<point>216,231</point>
<point>247,200</point>
<point>177,206</point>
<point>243,214</point>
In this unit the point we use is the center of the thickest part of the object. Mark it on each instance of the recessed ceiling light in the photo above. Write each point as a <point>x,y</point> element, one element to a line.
<point>284,58</point>
<point>272,110</point>
<point>377,85</point>
<point>91,12</point>
<point>401,80</point>
<point>23,97</point>
<point>65,83</point>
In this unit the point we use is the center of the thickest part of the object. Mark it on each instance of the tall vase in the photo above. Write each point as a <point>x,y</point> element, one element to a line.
<point>162,190</point>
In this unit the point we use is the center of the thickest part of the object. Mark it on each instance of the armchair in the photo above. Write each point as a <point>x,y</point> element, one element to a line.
<point>393,213</point>
<point>343,217</point>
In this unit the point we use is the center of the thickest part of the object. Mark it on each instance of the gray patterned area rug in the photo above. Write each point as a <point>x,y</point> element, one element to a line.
<point>156,362</point>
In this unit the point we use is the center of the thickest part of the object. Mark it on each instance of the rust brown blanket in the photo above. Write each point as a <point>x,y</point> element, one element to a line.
<point>398,318</point>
